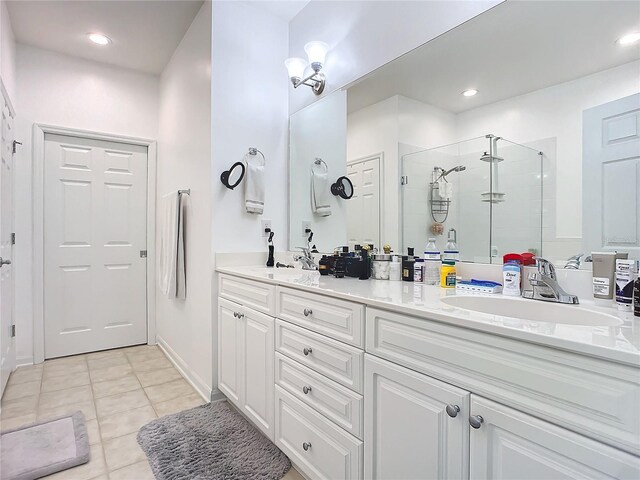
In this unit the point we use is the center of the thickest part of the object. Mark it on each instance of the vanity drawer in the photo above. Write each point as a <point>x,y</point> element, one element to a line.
<point>591,396</point>
<point>339,404</point>
<point>335,318</point>
<point>331,453</point>
<point>256,295</point>
<point>340,362</point>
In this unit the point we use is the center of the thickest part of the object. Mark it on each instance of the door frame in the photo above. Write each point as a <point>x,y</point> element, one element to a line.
<point>381,187</point>
<point>39,132</point>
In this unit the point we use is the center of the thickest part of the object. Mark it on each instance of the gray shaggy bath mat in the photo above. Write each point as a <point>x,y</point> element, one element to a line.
<point>212,442</point>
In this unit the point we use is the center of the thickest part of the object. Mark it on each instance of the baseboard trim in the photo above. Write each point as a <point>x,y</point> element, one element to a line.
<point>24,361</point>
<point>194,380</point>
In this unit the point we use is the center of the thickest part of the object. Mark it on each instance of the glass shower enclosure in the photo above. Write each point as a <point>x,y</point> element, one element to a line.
<point>485,192</point>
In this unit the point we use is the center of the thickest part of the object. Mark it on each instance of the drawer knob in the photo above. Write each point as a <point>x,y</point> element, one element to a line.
<point>453,410</point>
<point>306,389</point>
<point>306,446</point>
<point>476,421</point>
<point>307,312</point>
<point>235,314</point>
<point>307,351</point>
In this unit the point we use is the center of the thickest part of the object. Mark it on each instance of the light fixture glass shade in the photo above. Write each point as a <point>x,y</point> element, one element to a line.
<point>99,39</point>
<point>295,67</point>
<point>317,52</point>
<point>470,92</point>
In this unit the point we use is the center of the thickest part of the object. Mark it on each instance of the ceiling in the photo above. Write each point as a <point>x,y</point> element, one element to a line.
<point>285,9</point>
<point>144,34</point>
<point>515,48</point>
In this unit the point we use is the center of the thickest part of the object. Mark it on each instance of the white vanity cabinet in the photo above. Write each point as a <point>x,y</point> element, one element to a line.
<point>415,426</point>
<point>509,444</point>
<point>246,362</point>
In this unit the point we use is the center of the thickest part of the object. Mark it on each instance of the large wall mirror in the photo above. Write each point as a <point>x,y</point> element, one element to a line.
<point>516,131</point>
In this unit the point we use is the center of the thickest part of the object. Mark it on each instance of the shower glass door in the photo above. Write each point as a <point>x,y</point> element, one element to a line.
<point>488,190</point>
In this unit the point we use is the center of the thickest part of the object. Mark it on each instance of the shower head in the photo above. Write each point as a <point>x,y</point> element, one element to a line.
<point>458,168</point>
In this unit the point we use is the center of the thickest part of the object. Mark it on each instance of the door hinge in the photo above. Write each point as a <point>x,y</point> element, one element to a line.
<point>15,142</point>
<point>13,239</point>
<point>143,254</point>
<point>404,180</point>
<point>13,331</point>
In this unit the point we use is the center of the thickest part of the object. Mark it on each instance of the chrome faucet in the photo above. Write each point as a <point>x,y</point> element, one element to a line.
<point>306,259</point>
<point>545,285</point>
<point>576,261</point>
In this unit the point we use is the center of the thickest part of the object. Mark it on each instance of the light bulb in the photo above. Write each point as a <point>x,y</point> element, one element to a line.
<point>629,39</point>
<point>295,67</point>
<point>317,52</point>
<point>99,39</point>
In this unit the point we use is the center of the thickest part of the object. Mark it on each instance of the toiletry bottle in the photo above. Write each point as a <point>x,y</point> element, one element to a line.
<point>636,294</point>
<point>451,251</point>
<point>407,266</point>
<point>395,269</point>
<point>625,275</point>
<point>604,268</point>
<point>418,270</point>
<point>323,265</point>
<point>448,274</point>
<point>365,263</point>
<point>512,275</point>
<point>432,263</point>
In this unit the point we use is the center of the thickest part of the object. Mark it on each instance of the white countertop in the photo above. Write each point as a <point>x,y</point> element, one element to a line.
<point>620,343</point>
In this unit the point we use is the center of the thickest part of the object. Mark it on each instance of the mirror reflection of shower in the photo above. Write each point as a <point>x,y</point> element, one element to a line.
<point>441,192</point>
<point>494,195</point>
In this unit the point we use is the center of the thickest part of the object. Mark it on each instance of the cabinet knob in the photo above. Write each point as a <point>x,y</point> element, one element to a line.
<point>306,389</point>
<point>235,314</point>
<point>476,421</point>
<point>307,312</point>
<point>306,446</point>
<point>307,351</point>
<point>453,410</point>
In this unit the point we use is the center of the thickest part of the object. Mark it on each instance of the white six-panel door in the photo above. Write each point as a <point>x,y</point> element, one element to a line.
<point>363,209</point>
<point>95,207</point>
<point>7,343</point>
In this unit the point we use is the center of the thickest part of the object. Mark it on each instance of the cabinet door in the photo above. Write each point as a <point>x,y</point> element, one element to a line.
<point>230,358</point>
<point>511,445</point>
<point>408,432</point>
<point>258,382</point>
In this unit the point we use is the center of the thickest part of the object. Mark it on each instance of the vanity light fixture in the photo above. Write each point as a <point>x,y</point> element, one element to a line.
<point>316,52</point>
<point>99,39</point>
<point>470,92</point>
<point>629,39</point>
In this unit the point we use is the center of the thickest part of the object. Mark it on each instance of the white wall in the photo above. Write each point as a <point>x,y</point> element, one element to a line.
<point>364,35</point>
<point>184,161</point>
<point>555,111</point>
<point>7,53</point>
<point>249,109</point>
<point>66,91</point>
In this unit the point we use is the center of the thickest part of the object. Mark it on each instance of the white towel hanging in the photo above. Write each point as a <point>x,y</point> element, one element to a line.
<point>254,185</point>
<point>172,272</point>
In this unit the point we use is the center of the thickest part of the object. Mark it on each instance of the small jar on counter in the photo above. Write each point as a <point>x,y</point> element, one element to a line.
<point>381,266</point>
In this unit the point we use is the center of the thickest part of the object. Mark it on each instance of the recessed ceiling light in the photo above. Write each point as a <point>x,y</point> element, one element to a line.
<point>99,39</point>
<point>629,39</point>
<point>470,93</point>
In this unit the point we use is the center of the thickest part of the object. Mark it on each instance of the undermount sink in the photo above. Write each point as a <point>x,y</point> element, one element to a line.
<point>533,310</point>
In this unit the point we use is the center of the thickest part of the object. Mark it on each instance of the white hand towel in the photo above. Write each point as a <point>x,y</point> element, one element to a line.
<point>168,244</point>
<point>181,269</point>
<point>320,191</point>
<point>254,188</point>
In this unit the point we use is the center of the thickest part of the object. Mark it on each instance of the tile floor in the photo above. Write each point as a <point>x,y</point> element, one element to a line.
<point>118,391</point>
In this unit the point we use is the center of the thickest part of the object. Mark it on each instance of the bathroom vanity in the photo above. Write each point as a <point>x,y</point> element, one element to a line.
<point>394,380</point>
